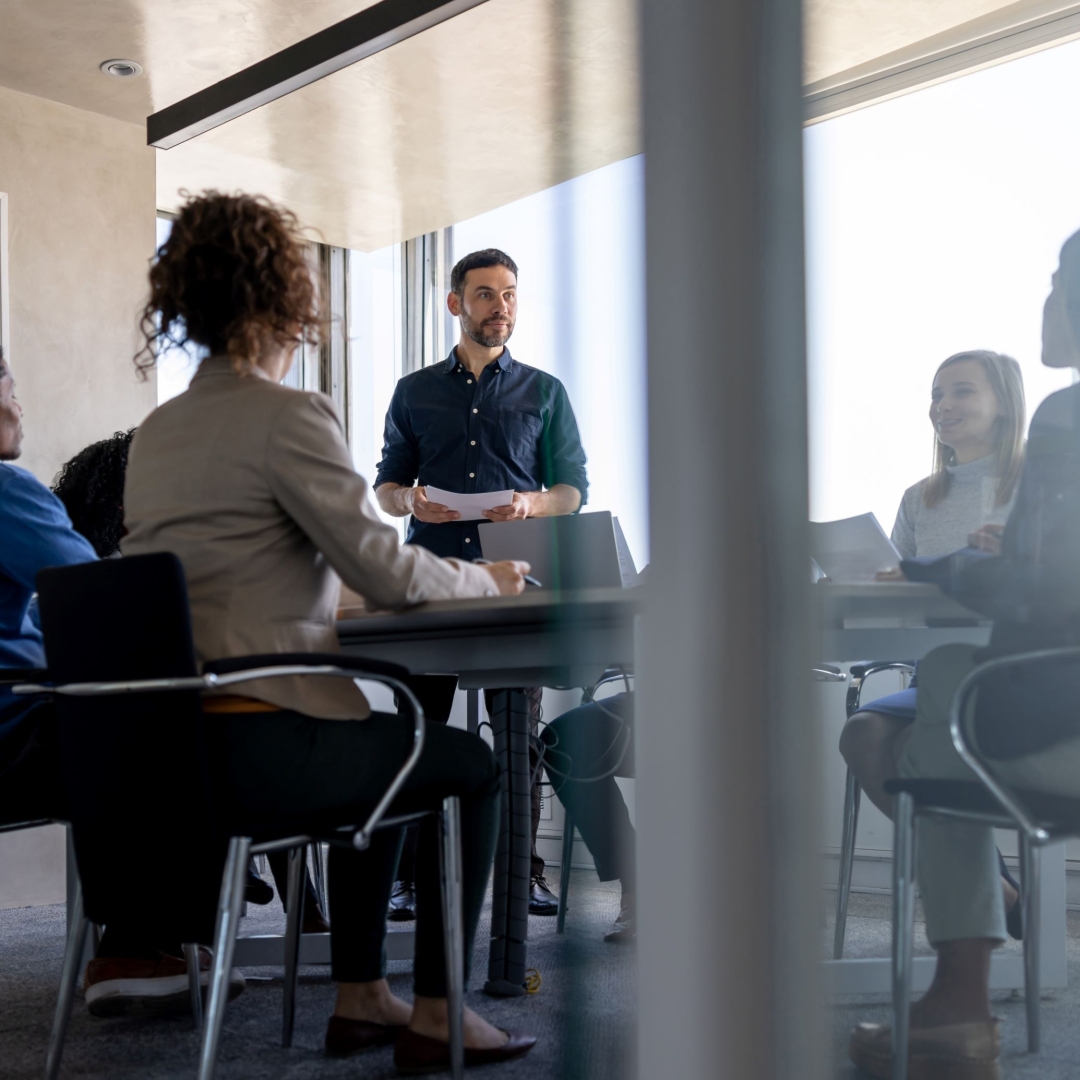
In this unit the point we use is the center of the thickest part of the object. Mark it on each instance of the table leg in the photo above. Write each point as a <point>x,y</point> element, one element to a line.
<point>510,889</point>
<point>472,710</point>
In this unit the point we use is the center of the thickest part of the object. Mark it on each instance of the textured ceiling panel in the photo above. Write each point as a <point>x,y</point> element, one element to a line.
<point>489,107</point>
<point>467,116</point>
<point>856,36</point>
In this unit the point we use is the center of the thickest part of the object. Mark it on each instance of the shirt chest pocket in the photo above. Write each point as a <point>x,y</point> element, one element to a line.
<point>518,435</point>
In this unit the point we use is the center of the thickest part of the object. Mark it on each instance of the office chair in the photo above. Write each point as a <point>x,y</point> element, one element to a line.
<point>588,695</point>
<point>820,673</point>
<point>853,794</point>
<point>118,635</point>
<point>1038,818</point>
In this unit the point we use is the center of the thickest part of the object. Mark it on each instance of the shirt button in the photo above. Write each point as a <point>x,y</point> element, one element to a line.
<point>468,382</point>
<point>476,410</point>
<point>472,474</point>
<point>472,442</point>
<point>468,540</point>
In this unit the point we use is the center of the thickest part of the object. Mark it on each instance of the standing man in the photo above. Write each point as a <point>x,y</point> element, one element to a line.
<point>482,421</point>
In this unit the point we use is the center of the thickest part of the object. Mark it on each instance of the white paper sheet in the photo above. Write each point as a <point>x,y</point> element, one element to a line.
<point>469,506</point>
<point>852,549</point>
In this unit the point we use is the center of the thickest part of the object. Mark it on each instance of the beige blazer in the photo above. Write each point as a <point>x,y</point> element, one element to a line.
<point>252,486</point>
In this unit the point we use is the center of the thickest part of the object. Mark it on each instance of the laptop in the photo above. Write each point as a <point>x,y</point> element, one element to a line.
<point>577,551</point>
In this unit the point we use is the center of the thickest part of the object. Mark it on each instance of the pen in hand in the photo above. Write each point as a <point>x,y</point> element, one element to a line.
<point>529,580</point>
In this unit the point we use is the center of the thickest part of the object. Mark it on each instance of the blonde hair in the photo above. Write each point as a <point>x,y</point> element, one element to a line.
<point>1003,374</point>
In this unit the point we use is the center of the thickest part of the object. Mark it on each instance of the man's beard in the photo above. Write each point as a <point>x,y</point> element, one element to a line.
<point>488,340</point>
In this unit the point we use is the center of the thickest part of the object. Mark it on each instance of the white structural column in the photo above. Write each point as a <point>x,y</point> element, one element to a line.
<point>727,758</point>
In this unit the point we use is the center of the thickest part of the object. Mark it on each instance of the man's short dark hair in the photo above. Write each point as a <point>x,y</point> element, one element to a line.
<point>479,260</point>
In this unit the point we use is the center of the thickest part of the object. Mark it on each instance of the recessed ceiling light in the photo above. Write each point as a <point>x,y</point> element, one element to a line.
<point>121,69</point>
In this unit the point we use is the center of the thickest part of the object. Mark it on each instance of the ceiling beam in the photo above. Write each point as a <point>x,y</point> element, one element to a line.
<point>355,38</point>
<point>963,49</point>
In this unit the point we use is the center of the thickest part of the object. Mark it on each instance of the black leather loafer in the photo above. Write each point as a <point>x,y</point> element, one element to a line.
<point>345,1036</point>
<point>542,901</point>
<point>257,891</point>
<point>402,902</point>
<point>416,1054</point>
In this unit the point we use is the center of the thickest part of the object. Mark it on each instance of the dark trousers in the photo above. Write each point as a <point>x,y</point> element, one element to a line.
<point>585,749</point>
<point>30,784</point>
<point>285,769</point>
<point>533,695</point>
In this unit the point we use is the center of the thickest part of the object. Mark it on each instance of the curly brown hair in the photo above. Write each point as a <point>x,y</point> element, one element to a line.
<point>233,277</point>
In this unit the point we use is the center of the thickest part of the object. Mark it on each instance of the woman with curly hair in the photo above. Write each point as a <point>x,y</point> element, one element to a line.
<point>252,486</point>
<point>91,487</point>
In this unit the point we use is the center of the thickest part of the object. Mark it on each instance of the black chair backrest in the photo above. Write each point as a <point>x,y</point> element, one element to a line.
<point>136,765</point>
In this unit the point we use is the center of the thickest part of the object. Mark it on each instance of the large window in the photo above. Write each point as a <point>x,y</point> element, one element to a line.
<point>375,350</point>
<point>175,366</point>
<point>934,223</point>
<point>579,249</point>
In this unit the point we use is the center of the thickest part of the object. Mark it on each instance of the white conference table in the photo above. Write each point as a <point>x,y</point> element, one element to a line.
<point>905,621</point>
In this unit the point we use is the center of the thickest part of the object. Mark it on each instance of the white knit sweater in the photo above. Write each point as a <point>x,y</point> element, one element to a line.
<point>922,530</point>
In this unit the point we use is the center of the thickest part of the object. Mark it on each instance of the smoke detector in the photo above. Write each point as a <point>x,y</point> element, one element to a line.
<point>121,69</point>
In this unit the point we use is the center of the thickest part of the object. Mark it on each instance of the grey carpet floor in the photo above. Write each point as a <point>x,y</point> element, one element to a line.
<point>869,934</point>
<point>583,1012</point>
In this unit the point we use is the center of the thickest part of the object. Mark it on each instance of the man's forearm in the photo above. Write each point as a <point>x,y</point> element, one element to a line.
<point>395,499</point>
<point>556,501</point>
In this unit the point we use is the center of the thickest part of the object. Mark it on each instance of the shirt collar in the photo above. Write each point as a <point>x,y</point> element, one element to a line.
<point>505,361</point>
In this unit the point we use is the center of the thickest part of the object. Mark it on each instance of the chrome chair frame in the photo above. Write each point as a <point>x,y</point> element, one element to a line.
<point>1034,835</point>
<point>587,696</point>
<point>79,927</point>
<point>820,673</point>
<point>240,849</point>
<point>853,796</point>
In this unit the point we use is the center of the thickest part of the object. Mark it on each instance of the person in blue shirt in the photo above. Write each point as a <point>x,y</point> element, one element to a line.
<point>481,421</point>
<point>35,532</point>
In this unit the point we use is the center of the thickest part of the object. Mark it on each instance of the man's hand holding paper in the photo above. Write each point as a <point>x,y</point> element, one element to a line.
<point>464,507</point>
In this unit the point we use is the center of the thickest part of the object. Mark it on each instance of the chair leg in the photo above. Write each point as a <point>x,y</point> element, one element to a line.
<point>564,872</point>
<point>903,928</point>
<point>1029,878</point>
<point>450,872</point>
<point>294,921</point>
<point>69,978</point>
<point>228,921</point>
<point>852,798</point>
<point>191,955</point>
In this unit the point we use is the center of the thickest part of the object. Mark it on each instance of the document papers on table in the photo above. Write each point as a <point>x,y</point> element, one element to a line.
<point>470,506</point>
<point>852,549</point>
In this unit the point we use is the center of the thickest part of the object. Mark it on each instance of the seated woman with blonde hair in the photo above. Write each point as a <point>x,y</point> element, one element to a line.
<point>252,486</point>
<point>978,414</point>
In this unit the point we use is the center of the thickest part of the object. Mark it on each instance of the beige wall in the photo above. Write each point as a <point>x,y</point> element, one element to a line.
<point>81,200</point>
<point>80,193</point>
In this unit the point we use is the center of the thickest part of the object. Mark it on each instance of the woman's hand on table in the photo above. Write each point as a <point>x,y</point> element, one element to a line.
<point>988,538</point>
<point>894,573</point>
<point>509,576</point>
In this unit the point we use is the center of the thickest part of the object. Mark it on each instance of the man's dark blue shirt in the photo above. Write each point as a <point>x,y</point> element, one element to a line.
<point>511,428</point>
